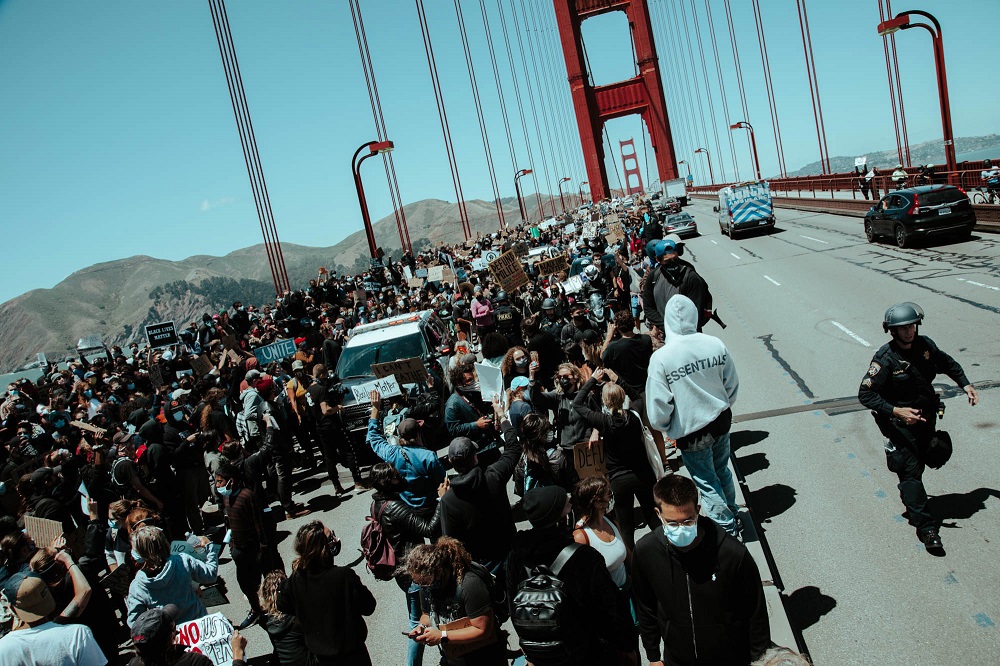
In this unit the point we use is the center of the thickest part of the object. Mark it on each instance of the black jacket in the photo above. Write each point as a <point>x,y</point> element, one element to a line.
<point>624,450</point>
<point>707,604</point>
<point>660,285</point>
<point>902,377</point>
<point>476,511</point>
<point>404,526</point>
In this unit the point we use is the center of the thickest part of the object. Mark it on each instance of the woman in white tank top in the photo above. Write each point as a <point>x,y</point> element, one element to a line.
<point>591,500</point>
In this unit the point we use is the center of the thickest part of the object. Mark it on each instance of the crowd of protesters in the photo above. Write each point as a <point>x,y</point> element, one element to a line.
<point>139,449</point>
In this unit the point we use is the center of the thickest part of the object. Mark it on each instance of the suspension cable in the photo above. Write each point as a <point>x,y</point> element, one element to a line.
<point>248,141</point>
<point>892,85</point>
<point>690,75</point>
<point>824,158</point>
<point>769,85</point>
<point>670,91</point>
<point>899,90</point>
<point>479,114</point>
<point>543,99</point>
<point>722,89</point>
<point>708,91</point>
<point>819,106</point>
<point>380,129</point>
<point>500,95</point>
<point>443,116</point>
<point>739,71</point>
<point>681,68</point>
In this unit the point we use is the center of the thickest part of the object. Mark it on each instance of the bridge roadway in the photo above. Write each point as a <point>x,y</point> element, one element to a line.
<point>804,308</point>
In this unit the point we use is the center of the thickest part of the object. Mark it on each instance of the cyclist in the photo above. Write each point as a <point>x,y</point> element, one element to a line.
<point>991,178</point>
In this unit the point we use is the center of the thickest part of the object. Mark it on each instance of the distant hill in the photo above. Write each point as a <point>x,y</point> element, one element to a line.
<point>116,299</point>
<point>928,152</point>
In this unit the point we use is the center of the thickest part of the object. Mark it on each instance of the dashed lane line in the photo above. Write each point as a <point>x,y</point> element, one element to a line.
<point>814,239</point>
<point>772,281</point>
<point>735,255</point>
<point>979,284</point>
<point>713,242</point>
<point>851,333</point>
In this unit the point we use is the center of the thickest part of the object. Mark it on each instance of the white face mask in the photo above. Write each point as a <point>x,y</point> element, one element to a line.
<point>681,536</point>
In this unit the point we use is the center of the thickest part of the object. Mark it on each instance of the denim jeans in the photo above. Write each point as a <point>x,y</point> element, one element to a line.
<point>414,650</point>
<point>709,468</point>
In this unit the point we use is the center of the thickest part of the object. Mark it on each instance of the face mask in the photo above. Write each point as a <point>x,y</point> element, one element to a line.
<point>566,384</point>
<point>113,524</point>
<point>137,557</point>
<point>130,387</point>
<point>225,491</point>
<point>523,363</point>
<point>60,423</point>
<point>682,535</point>
<point>88,394</point>
<point>178,416</point>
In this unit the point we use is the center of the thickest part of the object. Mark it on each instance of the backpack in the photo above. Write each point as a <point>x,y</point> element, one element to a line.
<point>380,556</point>
<point>123,490</point>
<point>540,615</point>
<point>498,595</point>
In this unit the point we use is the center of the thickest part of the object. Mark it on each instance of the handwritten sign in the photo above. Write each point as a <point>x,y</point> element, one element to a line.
<point>573,284</point>
<point>490,382</point>
<point>197,553</point>
<point>118,581</point>
<point>553,265</point>
<point>435,273</point>
<point>386,386</point>
<point>590,229</point>
<point>570,229</point>
<point>274,351</point>
<point>479,264</point>
<point>588,459</point>
<point>615,232</point>
<point>42,530</point>
<point>210,636</point>
<point>406,371</point>
<point>163,334</point>
<point>155,375</point>
<point>201,365</point>
<point>507,270</point>
<point>415,283</point>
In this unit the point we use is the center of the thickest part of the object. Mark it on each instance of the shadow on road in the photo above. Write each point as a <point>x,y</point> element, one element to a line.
<point>958,506</point>
<point>771,501</point>
<point>737,440</point>
<point>806,605</point>
<point>753,462</point>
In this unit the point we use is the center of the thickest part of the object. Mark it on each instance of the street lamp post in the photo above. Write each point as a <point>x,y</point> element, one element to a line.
<point>582,183</point>
<point>517,188</point>
<point>561,199</point>
<point>688,166</point>
<point>374,148</point>
<point>742,124</point>
<point>711,176</point>
<point>902,22</point>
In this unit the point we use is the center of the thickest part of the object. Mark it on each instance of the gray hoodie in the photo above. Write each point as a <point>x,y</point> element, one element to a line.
<point>692,378</point>
<point>172,585</point>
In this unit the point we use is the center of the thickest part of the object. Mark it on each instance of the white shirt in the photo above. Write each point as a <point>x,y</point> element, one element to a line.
<point>51,644</point>
<point>612,551</point>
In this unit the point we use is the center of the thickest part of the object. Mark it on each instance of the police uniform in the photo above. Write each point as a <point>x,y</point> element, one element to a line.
<point>508,323</point>
<point>553,327</point>
<point>902,378</point>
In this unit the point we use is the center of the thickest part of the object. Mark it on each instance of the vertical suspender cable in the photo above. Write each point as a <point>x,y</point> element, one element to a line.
<point>739,70</point>
<point>549,69</point>
<point>758,19</point>
<point>690,71</point>
<point>899,90</point>
<point>681,68</point>
<point>819,107</point>
<point>892,85</point>
<point>520,106</point>
<point>669,91</point>
<point>543,99</point>
<point>534,109</point>
<point>708,91</point>
<point>443,117</point>
<point>812,87</point>
<point>500,96</point>
<point>390,174</point>
<point>722,89</point>
<point>251,156</point>
<point>479,113</point>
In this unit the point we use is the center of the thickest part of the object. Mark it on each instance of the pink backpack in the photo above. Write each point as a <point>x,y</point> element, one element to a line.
<point>380,556</point>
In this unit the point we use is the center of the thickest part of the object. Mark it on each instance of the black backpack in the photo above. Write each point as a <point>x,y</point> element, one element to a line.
<point>540,615</point>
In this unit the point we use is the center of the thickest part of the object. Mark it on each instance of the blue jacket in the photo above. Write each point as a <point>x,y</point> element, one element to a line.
<point>172,585</point>
<point>421,468</point>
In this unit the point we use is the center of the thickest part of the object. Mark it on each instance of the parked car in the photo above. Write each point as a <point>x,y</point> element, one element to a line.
<point>921,212</point>
<point>682,224</point>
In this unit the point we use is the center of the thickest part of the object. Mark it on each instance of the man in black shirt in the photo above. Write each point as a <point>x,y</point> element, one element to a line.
<point>629,355</point>
<point>326,408</point>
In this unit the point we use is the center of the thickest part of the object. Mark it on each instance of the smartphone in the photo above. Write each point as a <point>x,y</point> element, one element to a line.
<point>534,357</point>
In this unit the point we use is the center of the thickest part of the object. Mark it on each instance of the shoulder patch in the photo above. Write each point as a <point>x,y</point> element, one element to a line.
<point>867,382</point>
<point>927,355</point>
<point>874,369</point>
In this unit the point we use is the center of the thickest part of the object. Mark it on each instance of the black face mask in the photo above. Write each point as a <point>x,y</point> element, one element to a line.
<point>566,384</point>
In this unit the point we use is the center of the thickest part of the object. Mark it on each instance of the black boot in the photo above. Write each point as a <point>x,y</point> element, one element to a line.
<point>931,540</point>
<point>251,619</point>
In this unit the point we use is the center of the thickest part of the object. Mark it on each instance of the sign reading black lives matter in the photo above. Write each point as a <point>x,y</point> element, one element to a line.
<point>507,270</point>
<point>163,334</point>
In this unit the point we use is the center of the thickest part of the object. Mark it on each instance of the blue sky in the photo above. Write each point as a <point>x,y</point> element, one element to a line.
<point>118,137</point>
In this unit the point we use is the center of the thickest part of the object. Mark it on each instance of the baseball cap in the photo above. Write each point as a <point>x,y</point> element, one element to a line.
<point>408,429</point>
<point>178,394</point>
<point>298,365</point>
<point>544,506</point>
<point>33,600</point>
<point>663,247</point>
<point>152,624</point>
<point>519,382</point>
<point>461,448</point>
<point>675,238</point>
<point>252,375</point>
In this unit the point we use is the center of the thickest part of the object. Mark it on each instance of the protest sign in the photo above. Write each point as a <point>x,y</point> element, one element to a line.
<point>595,216</point>
<point>406,371</point>
<point>371,285</point>
<point>387,387</point>
<point>229,341</point>
<point>861,161</point>
<point>197,552</point>
<point>421,273</point>
<point>234,357</point>
<point>210,636</point>
<point>573,284</point>
<point>89,427</point>
<point>407,273</point>
<point>553,265</point>
<point>507,270</point>
<point>415,283</point>
<point>479,264</point>
<point>615,232</point>
<point>42,360</point>
<point>590,229</point>
<point>118,581</point>
<point>570,229</point>
<point>521,249</point>
<point>435,273</point>
<point>588,459</point>
<point>201,365</point>
<point>490,381</point>
<point>489,255</point>
<point>42,530</point>
<point>274,351</point>
<point>163,334</point>
<point>155,375</point>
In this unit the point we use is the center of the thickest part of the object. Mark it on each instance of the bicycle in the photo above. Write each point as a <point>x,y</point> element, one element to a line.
<point>990,196</point>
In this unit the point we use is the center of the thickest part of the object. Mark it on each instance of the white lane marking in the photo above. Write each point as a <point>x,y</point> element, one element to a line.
<point>735,255</point>
<point>713,242</point>
<point>814,239</point>
<point>979,284</point>
<point>850,333</point>
<point>772,281</point>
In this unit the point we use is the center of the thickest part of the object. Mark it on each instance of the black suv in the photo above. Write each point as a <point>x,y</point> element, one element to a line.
<point>920,212</point>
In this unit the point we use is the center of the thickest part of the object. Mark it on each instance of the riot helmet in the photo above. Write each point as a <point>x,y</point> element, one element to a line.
<point>902,314</point>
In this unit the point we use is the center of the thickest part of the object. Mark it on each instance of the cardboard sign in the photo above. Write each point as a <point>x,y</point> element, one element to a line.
<point>118,581</point>
<point>229,341</point>
<point>553,265</point>
<point>860,161</point>
<point>360,296</point>
<point>156,375</point>
<point>199,553</point>
<point>201,365</point>
<point>210,636</point>
<point>275,351</point>
<point>89,427</point>
<point>387,387</point>
<point>415,283</point>
<point>507,270</point>
<point>406,371</point>
<point>407,273</point>
<point>490,255</point>
<point>421,273</point>
<point>490,382</point>
<point>570,229</point>
<point>521,249</point>
<point>479,264</point>
<point>234,357</point>
<point>595,215</point>
<point>615,232</point>
<point>588,460</point>
<point>42,530</point>
<point>435,273</point>
<point>590,229</point>
<point>163,334</point>
<point>573,284</point>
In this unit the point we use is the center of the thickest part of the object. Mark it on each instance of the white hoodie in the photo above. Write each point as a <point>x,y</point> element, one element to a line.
<point>692,378</point>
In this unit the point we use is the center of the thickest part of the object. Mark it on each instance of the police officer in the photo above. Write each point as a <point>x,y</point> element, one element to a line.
<point>898,390</point>
<point>672,275</point>
<point>508,319</point>
<point>551,322</point>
